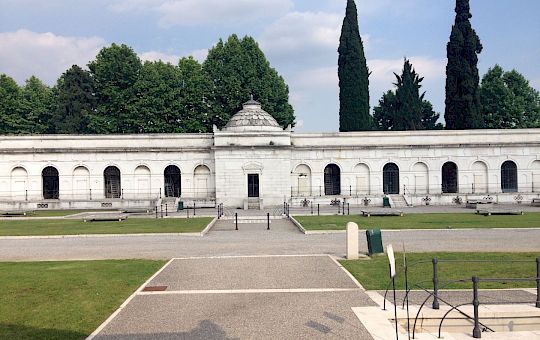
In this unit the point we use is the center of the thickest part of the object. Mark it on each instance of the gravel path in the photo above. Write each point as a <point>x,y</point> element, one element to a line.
<point>254,239</point>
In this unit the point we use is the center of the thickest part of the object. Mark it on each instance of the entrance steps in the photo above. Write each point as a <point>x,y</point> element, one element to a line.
<point>398,201</point>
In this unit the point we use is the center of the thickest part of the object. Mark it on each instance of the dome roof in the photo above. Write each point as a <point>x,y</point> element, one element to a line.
<point>252,118</point>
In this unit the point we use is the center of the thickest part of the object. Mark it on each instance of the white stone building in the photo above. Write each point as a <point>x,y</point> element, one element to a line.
<point>253,162</point>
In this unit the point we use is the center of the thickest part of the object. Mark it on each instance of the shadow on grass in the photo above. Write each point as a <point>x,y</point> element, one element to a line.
<point>10,331</point>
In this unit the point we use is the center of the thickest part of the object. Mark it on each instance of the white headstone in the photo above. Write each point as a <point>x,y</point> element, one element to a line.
<point>392,260</point>
<point>352,241</point>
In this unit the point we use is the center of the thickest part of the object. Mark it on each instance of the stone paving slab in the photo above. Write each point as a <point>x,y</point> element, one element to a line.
<point>274,272</point>
<point>240,316</point>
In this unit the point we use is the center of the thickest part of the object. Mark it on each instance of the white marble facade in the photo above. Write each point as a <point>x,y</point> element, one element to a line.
<point>253,156</point>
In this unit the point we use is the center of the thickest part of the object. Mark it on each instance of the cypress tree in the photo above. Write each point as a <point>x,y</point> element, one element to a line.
<point>409,99</point>
<point>353,76</point>
<point>75,102</point>
<point>463,109</point>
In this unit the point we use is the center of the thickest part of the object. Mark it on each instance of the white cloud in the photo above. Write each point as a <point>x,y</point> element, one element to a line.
<point>199,55</point>
<point>46,55</point>
<point>300,30</point>
<point>196,12</point>
<point>156,55</point>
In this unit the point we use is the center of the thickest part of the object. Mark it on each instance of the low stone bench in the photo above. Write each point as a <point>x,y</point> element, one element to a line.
<point>382,212</point>
<point>535,202</point>
<point>489,212</point>
<point>474,204</point>
<point>14,213</point>
<point>138,211</point>
<point>105,218</point>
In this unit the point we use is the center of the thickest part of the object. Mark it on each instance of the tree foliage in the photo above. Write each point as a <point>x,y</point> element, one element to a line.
<point>508,100</point>
<point>237,69</point>
<point>406,108</point>
<point>463,109</point>
<point>115,71</point>
<point>75,102</point>
<point>12,119</point>
<point>353,76</point>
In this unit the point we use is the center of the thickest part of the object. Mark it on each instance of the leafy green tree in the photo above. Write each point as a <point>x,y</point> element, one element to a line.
<point>406,108</point>
<point>37,99</point>
<point>75,102</point>
<point>157,103</point>
<point>237,69</point>
<point>12,118</point>
<point>463,109</point>
<point>508,100</point>
<point>353,76</point>
<point>195,95</point>
<point>115,70</point>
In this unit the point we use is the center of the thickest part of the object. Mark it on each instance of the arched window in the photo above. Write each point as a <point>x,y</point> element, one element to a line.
<point>113,188</point>
<point>201,179</point>
<point>361,172</point>
<point>332,180</point>
<point>509,179</point>
<point>172,181</point>
<point>81,183</point>
<point>19,183</point>
<point>301,180</point>
<point>142,181</point>
<point>51,183</point>
<point>480,177</point>
<point>391,179</point>
<point>449,178</point>
<point>421,178</point>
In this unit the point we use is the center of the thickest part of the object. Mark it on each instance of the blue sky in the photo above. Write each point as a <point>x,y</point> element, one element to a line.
<point>299,37</point>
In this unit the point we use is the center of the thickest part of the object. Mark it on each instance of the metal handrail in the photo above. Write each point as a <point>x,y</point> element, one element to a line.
<point>402,270</point>
<point>449,304</point>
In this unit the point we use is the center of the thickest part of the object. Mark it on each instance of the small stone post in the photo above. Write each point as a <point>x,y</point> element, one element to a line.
<point>352,241</point>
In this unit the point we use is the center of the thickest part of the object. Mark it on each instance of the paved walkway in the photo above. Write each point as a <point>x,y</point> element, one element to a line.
<point>254,239</point>
<point>276,297</point>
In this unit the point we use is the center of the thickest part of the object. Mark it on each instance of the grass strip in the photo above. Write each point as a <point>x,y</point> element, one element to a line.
<point>65,300</point>
<point>39,227</point>
<point>421,221</point>
<point>373,273</point>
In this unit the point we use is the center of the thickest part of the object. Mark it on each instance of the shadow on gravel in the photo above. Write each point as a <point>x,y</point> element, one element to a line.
<point>205,330</point>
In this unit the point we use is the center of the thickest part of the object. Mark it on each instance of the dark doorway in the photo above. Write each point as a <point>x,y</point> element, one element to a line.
<point>113,187</point>
<point>332,180</point>
<point>509,180</point>
<point>51,183</point>
<point>253,185</point>
<point>172,181</point>
<point>391,179</point>
<point>449,178</point>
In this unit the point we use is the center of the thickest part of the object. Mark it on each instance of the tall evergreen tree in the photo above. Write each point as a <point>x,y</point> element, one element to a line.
<point>12,117</point>
<point>237,69</point>
<point>115,70</point>
<point>406,108</point>
<point>409,100</point>
<point>508,100</point>
<point>463,109</point>
<point>75,102</point>
<point>353,76</point>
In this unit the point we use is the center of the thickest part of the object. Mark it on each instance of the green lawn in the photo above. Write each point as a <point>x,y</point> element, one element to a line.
<point>65,300</point>
<point>421,221</point>
<point>76,227</point>
<point>373,273</point>
<point>56,213</point>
